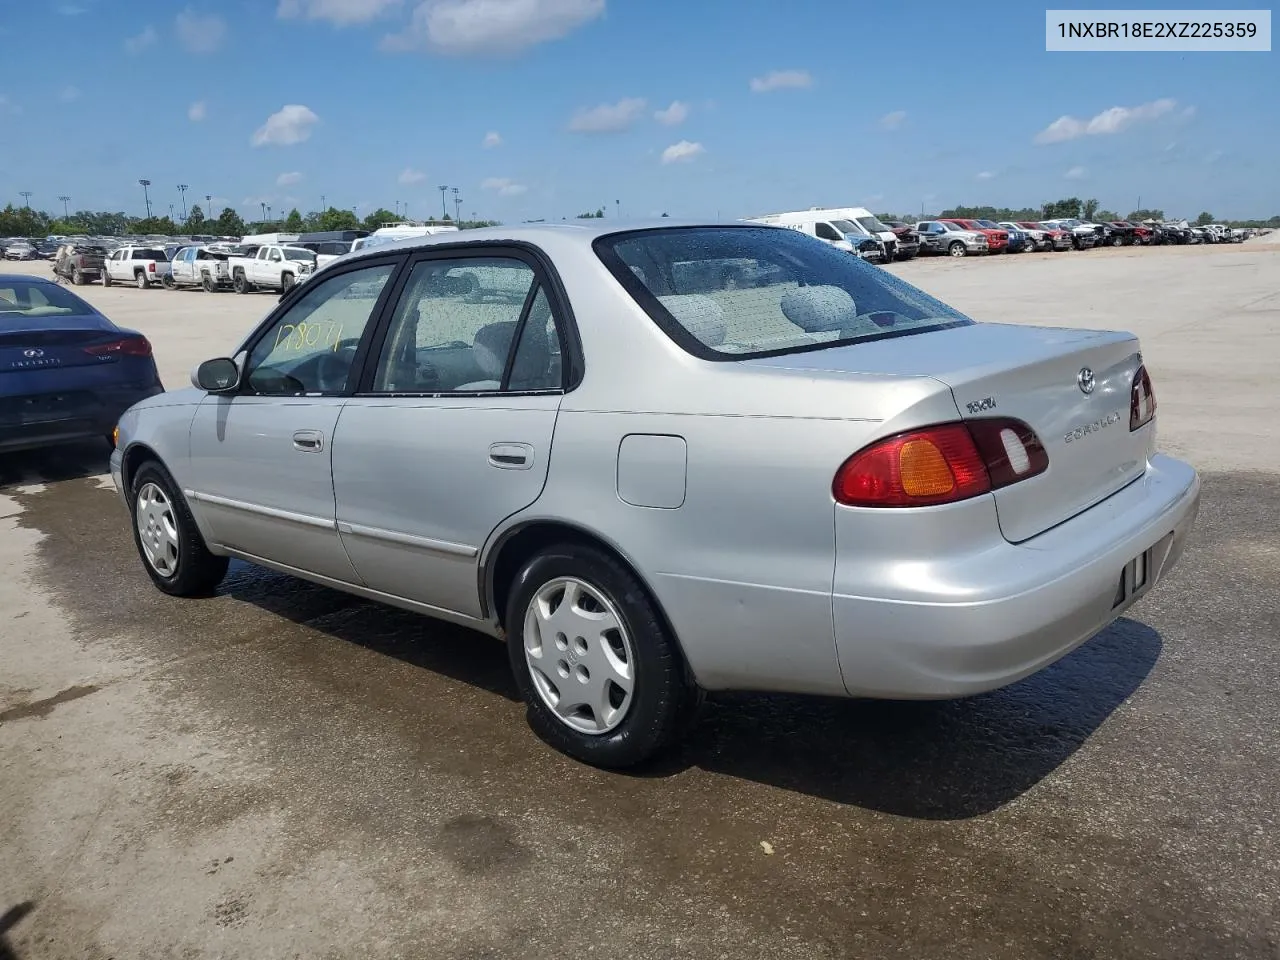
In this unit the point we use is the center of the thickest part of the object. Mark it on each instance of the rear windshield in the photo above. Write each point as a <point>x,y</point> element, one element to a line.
<point>299,253</point>
<point>21,298</point>
<point>727,293</point>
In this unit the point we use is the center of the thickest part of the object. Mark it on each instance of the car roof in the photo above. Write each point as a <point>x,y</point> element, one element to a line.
<point>583,232</point>
<point>24,278</point>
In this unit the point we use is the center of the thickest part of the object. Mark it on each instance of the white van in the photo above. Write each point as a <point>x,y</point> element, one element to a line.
<point>865,219</point>
<point>400,231</point>
<point>839,232</point>
<point>262,239</point>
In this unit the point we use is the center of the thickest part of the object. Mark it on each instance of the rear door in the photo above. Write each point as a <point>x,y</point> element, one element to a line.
<point>452,431</point>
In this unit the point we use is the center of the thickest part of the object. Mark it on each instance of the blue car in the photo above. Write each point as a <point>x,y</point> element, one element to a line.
<point>66,371</point>
<point>1019,240</point>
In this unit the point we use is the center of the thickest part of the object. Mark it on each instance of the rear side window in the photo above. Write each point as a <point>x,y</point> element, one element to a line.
<point>726,293</point>
<point>149,255</point>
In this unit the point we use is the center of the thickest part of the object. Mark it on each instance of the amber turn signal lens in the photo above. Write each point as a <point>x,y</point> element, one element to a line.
<point>923,470</point>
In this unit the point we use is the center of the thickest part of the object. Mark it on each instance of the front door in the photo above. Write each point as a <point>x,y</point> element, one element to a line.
<point>261,458</point>
<point>451,431</point>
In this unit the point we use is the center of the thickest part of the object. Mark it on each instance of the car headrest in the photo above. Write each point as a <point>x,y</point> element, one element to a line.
<point>640,275</point>
<point>819,309</point>
<point>701,316</point>
<point>492,344</point>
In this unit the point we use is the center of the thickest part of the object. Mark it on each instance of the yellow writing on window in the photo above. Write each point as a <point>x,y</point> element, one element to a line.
<point>313,336</point>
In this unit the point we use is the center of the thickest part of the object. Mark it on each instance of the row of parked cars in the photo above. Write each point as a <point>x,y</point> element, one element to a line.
<point>275,261</point>
<point>859,231</point>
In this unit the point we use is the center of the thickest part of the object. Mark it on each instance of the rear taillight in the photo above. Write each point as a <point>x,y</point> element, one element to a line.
<point>940,464</point>
<point>128,347</point>
<point>1142,400</point>
<point>151,267</point>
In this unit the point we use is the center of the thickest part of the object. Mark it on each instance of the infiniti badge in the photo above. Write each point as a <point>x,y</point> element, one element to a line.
<point>1085,379</point>
<point>33,353</point>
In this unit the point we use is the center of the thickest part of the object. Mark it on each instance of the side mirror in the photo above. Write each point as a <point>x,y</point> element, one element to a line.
<point>217,376</point>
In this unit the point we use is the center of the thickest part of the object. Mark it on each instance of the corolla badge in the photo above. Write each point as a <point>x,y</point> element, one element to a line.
<point>1085,380</point>
<point>33,353</point>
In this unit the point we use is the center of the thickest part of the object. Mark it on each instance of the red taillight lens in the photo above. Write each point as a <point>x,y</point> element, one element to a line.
<point>1142,400</point>
<point>128,347</point>
<point>151,267</point>
<point>940,464</point>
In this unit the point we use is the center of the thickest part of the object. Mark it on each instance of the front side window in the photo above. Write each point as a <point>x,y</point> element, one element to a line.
<point>455,329</point>
<point>872,225</point>
<point>825,231</point>
<point>310,347</point>
<point>737,292</point>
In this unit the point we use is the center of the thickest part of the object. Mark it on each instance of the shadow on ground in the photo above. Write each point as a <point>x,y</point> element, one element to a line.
<point>8,920</point>
<point>931,760</point>
<point>54,464</point>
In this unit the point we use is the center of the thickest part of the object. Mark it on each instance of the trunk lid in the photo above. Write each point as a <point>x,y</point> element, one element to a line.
<point>34,343</point>
<point>1031,374</point>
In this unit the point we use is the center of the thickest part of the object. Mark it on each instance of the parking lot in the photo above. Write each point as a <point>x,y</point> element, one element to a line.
<point>286,771</point>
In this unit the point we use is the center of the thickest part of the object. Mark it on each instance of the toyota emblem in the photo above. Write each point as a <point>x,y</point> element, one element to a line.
<point>33,353</point>
<point>1085,379</point>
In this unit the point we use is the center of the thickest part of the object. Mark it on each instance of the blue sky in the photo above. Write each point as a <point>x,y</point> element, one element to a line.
<point>546,108</point>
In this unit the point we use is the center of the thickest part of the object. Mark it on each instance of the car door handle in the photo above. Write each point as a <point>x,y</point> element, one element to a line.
<point>308,441</point>
<point>511,456</point>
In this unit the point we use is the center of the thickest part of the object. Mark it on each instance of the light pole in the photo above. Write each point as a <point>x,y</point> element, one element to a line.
<point>444,208</point>
<point>268,211</point>
<point>457,205</point>
<point>323,208</point>
<point>182,189</point>
<point>26,197</point>
<point>263,204</point>
<point>171,212</point>
<point>65,214</point>
<point>146,196</point>
<point>397,209</point>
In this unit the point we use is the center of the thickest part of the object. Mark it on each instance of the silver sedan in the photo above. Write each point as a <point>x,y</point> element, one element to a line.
<point>651,481</point>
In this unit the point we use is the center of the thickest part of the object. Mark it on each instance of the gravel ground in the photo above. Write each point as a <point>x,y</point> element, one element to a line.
<point>285,771</point>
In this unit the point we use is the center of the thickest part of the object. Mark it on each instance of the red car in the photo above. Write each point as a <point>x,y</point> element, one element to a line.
<point>997,240</point>
<point>1059,239</point>
<point>1137,233</point>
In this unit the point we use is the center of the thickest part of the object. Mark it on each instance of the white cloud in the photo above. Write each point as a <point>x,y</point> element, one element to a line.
<point>340,13</point>
<point>682,152</point>
<point>781,80</point>
<point>608,117</point>
<point>197,111</point>
<point>985,175</point>
<point>1075,173</point>
<point>146,38</point>
<point>491,139</point>
<point>69,94</point>
<point>409,176</point>
<point>199,34</point>
<point>490,27</point>
<point>892,121</point>
<point>290,124</point>
<point>674,115</point>
<point>504,186</point>
<point>288,179</point>
<point>1111,120</point>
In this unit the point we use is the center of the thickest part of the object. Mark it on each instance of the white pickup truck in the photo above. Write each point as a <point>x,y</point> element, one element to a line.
<point>141,266</point>
<point>272,266</point>
<point>200,266</point>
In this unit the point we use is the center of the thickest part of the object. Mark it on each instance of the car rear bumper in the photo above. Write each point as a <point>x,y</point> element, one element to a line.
<point>991,613</point>
<point>30,431</point>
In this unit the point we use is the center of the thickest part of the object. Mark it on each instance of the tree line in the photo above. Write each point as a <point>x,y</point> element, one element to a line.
<point>25,222</point>
<point>1074,208</point>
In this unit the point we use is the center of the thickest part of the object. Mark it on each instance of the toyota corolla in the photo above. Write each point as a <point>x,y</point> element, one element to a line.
<point>650,482</point>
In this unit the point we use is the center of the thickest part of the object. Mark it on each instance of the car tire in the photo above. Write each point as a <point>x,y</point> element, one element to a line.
<point>140,280</point>
<point>286,282</point>
<point>169,544</point>
<point>956,249</point>
<point>663,697</point>
<point>167,282</point>
<point>77,277</point>
<point>207,284</point>
<point>239,283</point>
<point>106,278</point>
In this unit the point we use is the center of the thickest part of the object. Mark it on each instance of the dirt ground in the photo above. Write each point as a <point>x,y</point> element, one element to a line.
<point>282,771</point>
